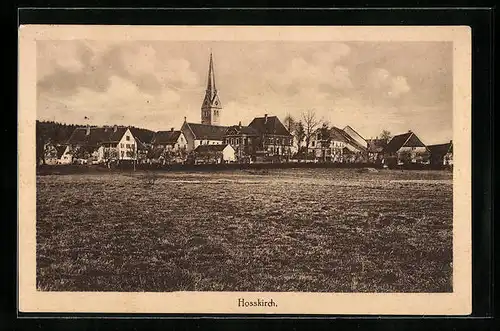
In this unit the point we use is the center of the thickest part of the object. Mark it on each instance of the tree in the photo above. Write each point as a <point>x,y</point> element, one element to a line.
<point>310,125</point>
<point>325,135</point>
<point>299,133</point>
<point>385,135</point>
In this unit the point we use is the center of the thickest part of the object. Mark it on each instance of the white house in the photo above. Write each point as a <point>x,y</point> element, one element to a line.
<point>171,140</point>
<point>100,144</point>
<point>343,144</point>
<point>202,134</point>
<point>406,148</point>
<point>57,154</point>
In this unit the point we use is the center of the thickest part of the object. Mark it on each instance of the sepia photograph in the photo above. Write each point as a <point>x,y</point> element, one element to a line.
<point>266,169</point>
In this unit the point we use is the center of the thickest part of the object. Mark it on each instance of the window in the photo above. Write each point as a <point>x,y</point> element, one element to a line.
<point>127,138</point>
<point>121,145</point>
<point>313,143</point>
<point>132,145</point>
<point>123,153</point>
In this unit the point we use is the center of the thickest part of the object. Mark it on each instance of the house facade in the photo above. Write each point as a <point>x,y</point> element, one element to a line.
<point>273,141</point>
<point>244,140</point>
<point>406,148</point>
<point>339,145</point>
<point>102,144</point>
<point>441,154</point>
<point>171,140</point>
<point>202,134</point>
<point>57,154</point>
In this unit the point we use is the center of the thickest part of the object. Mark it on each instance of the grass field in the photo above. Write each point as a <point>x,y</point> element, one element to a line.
<point>307,230</point>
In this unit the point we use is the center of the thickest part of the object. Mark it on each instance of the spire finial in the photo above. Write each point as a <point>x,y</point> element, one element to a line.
<point>211,76</point>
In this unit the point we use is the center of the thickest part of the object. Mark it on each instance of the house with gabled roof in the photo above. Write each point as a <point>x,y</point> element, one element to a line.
<point>172,140</point>
<point>441,154</point>
<point>358,142</point>
<point>337,145</point>
<point>245,141</point>
<point>57,154</point>
<point>345,146</point>
<point>274,140</point>
<point>100,144</point>
<point>406,148</point>
<point>202,134</point>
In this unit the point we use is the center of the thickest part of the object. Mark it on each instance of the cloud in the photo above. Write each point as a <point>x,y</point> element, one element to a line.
<point>301,74</point>
<point>154,84</point>
<point>383,83</point>
<point>399,86</point>
<point>122,103</point>
<point>57,56</point>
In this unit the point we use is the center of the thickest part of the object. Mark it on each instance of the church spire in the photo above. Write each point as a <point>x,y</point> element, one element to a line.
<point>211,77</point>
<point>211,107</point>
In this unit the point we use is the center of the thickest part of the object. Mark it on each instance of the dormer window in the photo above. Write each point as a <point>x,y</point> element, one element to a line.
<point>127,138</point>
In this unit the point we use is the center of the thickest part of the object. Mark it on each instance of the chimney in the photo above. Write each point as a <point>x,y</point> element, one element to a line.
<point>185,120</point>
<point>239,124</point>
<point>172,129</point>
<point>265,118</point>
<point>87,132</point>
<point>105,128</point>
<point>409,131</point>
<point>115,128</point>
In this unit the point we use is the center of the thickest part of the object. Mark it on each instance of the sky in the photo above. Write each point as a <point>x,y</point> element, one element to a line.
<point>371,86</point>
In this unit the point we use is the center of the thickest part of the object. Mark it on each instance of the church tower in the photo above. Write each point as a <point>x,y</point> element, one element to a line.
<point>211,107</point>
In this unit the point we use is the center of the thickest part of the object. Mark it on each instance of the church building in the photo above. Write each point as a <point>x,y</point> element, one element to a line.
<point>209,132</point>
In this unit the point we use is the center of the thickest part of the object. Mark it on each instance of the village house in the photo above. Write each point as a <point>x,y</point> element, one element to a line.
<point>406,148</point>
<point>214,154</point>
<point>244,140</point>
<point>441,154</point>
<point>376,150</point>
<point>142,151</point>
<point>202,134</point>
<point>334,151</point>
<point>168,147</point>
<point>170,140</point>
<point>57,154</point>
<point>274,140</point>
<point>346,145</point>
<point>101,144</point>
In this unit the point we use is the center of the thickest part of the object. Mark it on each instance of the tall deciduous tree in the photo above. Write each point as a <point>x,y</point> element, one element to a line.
<point>385,135</point>
<point>299,133</point>
<point>311,123</point>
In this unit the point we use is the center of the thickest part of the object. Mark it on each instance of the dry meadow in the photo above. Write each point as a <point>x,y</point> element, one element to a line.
<point>307,230</point>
